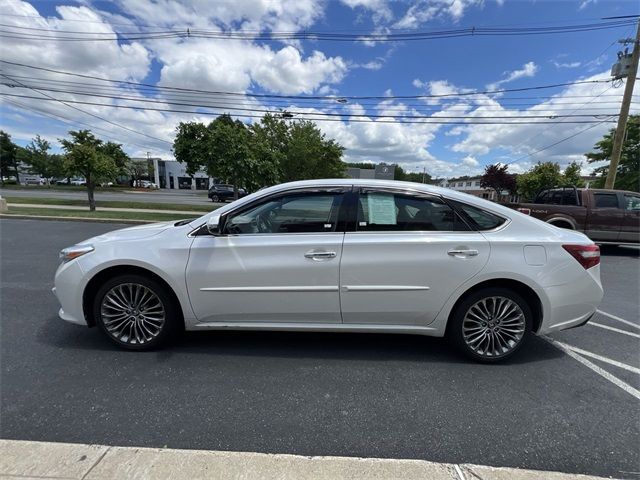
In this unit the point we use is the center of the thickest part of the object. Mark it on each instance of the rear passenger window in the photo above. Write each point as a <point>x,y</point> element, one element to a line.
<point>482,219</point>
<point>388,211</point>
<point>632,202</point>
<point>569,197</point>
<point>606,200</point>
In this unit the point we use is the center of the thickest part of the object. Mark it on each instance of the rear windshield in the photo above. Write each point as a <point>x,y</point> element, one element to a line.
<point>564,196</point>
<point>480,219</point>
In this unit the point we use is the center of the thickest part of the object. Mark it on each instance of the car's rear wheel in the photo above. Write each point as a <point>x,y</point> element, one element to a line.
<point>136,312</point>
<point>491,324</point>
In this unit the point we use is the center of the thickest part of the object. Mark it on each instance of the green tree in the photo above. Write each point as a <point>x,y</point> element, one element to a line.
<point>8,157</point>
<point>274,149</point>
<point>309,154</point>
<point>542,175</point>
<point>137,169</point>
<point>41,162</point>
<point>547,175</point>
<point>571,176</point>
<point>91,158</point>
<point>628,174</point>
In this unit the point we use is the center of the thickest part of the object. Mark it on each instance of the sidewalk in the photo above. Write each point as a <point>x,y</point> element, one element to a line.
<point>46,460</point>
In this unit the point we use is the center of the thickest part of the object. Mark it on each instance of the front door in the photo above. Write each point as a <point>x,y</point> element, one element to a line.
<point>630,231</point>
<point>605,217</point>
<point>276,260</point>
<point>409,253</point>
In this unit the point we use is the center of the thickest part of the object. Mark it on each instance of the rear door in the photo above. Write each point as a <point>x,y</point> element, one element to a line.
<point>406,255</point>
<point>630,231</point>
<point>605,217</point>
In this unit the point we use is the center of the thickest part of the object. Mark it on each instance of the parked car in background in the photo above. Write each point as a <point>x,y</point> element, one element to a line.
<point>147,184</point>
<point>79,182</point>
<point>338,255</point>
<point>221,192</point>
<point>605,216</point>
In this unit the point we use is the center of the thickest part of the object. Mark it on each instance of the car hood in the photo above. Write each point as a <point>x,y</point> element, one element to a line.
<point>132,233</point>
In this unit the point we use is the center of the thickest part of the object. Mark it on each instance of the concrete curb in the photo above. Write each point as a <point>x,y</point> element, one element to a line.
<point>48,460</point>
<point>76,219</point>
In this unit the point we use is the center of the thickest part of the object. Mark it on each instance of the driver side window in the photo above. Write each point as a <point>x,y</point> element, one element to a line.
<point>308,212</point>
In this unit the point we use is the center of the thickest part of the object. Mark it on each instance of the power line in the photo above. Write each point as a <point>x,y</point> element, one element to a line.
<point>314,97</point>
<point>428,120</point>
<point>66,103</point>
<point>91,89</point>
<point>296,112</point>
<point>557,143</point>
<point>69,121</point>
<point>334,36</point>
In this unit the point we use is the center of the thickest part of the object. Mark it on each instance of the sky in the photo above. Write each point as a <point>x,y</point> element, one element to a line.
<point>448,136</point>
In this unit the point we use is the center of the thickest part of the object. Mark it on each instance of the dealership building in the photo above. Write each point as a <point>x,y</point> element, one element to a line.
<point>172,174</point>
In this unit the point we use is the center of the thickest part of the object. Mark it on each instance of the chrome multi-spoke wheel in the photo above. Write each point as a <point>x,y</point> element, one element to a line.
<point>490,324</point>
<point>132,313</point>
<point>493,326</point>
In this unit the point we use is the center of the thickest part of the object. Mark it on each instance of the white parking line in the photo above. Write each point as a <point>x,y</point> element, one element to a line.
<point>613,329</point>
<point>595,356</point>
<point>600,371</point>
<point>621,320</point>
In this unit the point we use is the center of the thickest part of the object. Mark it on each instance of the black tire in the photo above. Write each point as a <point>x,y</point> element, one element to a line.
<point>493,352</point>
<point>215,199</point>
<point>170,327</point>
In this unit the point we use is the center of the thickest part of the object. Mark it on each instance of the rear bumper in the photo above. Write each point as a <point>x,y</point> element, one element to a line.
<point>572,304</point>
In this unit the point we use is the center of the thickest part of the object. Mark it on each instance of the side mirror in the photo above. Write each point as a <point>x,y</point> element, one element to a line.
<point>213,225</point>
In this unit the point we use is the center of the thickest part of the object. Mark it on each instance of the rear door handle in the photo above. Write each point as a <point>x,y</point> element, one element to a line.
<point>463,253</point>
<point>320,255</point>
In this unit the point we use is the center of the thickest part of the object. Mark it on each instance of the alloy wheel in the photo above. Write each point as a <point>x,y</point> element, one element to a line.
<point>132,313</point>
<point>493,326</point>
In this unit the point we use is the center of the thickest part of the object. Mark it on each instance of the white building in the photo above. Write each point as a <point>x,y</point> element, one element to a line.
<point>471,185</point>
<point>172,174</point>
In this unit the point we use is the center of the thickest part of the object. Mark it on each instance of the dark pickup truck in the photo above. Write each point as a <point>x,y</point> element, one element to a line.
<point>605,216</point>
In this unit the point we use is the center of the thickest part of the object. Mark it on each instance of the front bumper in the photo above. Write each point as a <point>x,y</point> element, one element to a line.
<point>68,290</point>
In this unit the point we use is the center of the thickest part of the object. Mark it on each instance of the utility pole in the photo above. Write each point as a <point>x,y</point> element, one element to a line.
<point>618,139</point>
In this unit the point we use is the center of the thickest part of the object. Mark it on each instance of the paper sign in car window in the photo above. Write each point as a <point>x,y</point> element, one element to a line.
<point>382,208</point>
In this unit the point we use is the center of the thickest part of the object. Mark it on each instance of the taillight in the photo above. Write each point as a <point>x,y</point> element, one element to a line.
<point>526,211</point>
<point>587,255</point>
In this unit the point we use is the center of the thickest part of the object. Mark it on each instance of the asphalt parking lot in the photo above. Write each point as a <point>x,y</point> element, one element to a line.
<point>319,394</point>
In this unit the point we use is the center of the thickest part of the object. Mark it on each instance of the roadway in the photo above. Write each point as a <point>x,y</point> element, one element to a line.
<point>393,396</point>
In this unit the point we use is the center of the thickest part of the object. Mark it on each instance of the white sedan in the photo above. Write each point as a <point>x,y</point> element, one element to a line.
<point>338,255</point>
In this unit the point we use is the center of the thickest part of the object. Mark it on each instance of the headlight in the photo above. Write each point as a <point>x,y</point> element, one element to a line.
<point>69,253</point>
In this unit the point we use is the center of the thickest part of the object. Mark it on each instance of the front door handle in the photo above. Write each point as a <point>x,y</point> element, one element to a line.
<point>463,253</point>
<point>319,255</point>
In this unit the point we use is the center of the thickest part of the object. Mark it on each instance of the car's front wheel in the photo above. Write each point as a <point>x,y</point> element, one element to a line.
<point>215,199</point>
<point>136,312</point>
<point>490,324</point>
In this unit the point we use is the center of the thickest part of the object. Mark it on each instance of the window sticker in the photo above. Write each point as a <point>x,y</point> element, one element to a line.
<point>382,208</point>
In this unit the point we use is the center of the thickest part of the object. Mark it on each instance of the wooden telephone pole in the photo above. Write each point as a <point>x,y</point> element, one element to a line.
<point>618,140</point>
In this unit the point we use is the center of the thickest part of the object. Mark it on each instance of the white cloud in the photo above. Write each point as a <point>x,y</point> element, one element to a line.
<point>470,161</point>
<point>125,61</point>
<point>379,9</point>
<point>586,3</point>
<point>424,10</point>
<point>529,69</point>
<point>567,64</point>
<point>524,140</point>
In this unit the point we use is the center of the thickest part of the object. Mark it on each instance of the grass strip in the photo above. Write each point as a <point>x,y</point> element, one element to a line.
<point>112,204</point>
<point>59,212</point>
